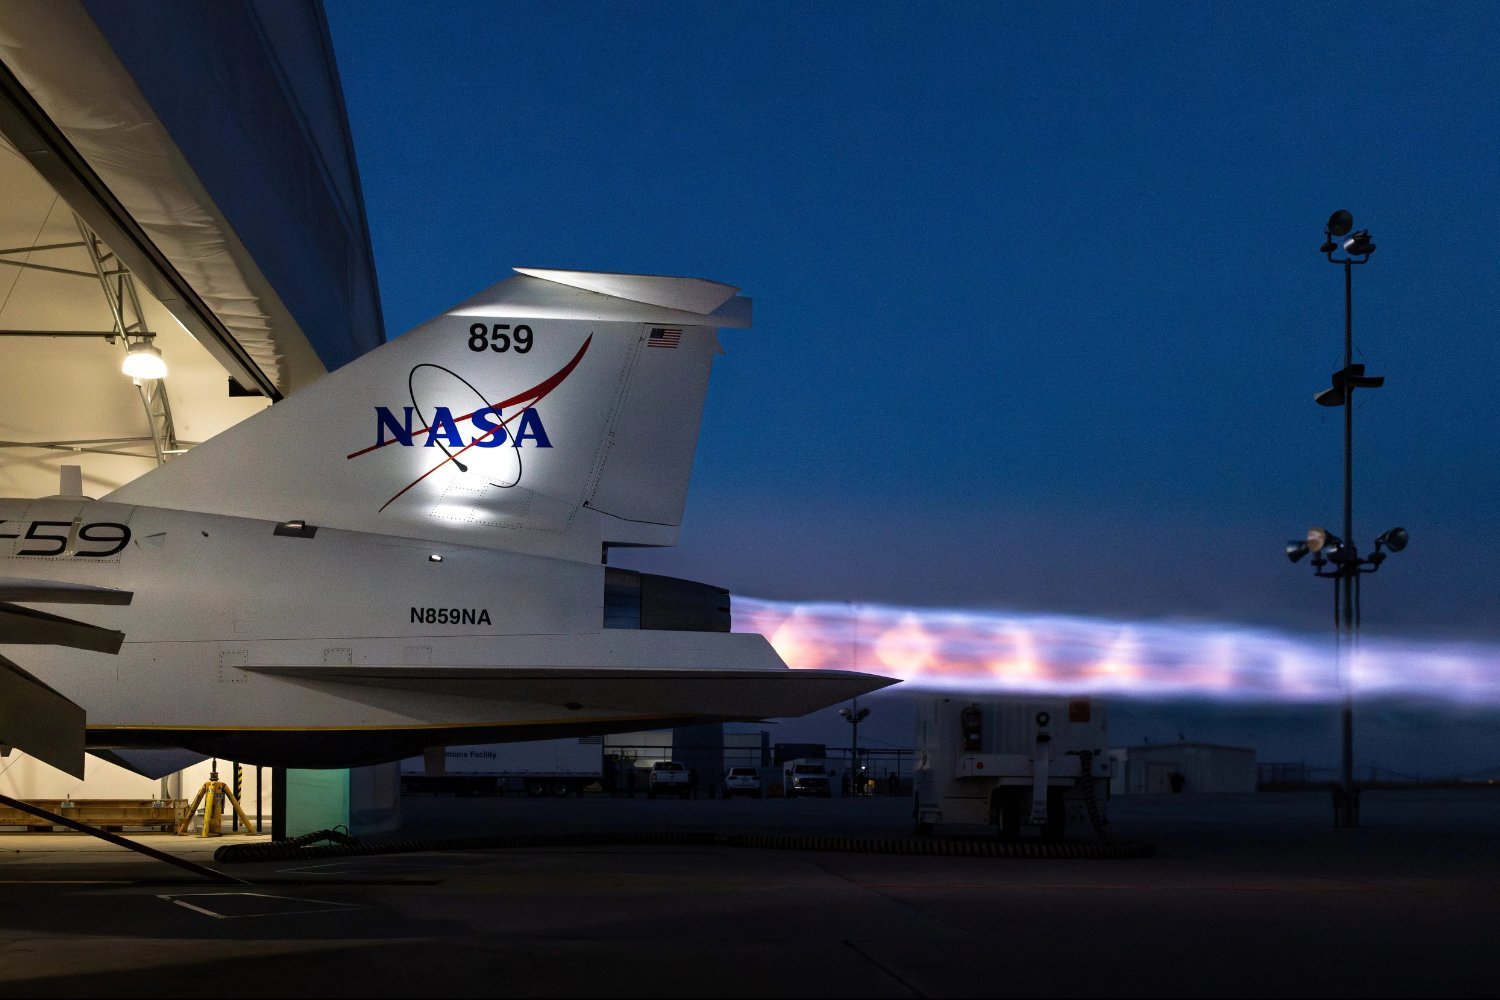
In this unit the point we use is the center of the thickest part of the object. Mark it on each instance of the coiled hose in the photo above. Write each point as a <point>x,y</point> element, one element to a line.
<point>1086,779</point>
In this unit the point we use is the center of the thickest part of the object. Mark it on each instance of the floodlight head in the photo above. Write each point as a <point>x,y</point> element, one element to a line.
<point>1360,244</point>
<point>843,713</point>
<point>143,360</point>
<point>1333,396</point>
<point>1296,550</point>
<point>1395,539</point>
<point>1319,538</point>
<point>1339,223</point>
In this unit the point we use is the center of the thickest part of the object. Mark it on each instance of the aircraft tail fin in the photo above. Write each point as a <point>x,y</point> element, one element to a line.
<point>553,412</point>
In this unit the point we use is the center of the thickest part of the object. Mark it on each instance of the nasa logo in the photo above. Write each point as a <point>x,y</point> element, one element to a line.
<point>489,426</point>
<point>476,451</point>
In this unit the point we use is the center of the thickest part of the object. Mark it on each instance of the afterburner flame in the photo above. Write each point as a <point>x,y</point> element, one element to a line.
<point>1004,651</point>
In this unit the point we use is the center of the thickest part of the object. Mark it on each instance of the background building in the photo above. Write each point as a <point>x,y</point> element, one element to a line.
<point>1188,768</point>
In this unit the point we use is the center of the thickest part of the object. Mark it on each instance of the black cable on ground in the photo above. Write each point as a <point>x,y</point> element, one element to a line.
<point>289,850</point>
<point>343,839</point>
<point>1091,794</point>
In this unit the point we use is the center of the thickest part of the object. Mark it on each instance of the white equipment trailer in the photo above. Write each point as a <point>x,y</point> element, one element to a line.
<point>542,767</point>
<point>1010,764</point>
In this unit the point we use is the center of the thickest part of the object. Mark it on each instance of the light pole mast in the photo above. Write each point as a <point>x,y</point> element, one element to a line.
<point>853,716</point>
<point>1349,634</point>
<point>1327,548</point>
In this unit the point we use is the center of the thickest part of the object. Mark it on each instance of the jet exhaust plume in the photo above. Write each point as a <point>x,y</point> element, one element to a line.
<point>1010,651</point>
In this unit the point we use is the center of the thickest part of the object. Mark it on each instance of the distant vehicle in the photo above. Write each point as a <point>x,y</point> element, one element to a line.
<point>542,767</point>
<point>806,777</point>
<point>742,781</point>
<point>668,777</point>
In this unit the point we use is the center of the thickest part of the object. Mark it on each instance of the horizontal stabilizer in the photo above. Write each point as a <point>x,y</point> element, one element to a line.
<point>59,592</point>
<point>37,628</point>
<point>694,295</point>
<point>728,694</point>
<point>38,720</point>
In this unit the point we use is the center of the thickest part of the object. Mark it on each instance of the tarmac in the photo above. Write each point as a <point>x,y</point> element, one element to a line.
<point>1254,895</point>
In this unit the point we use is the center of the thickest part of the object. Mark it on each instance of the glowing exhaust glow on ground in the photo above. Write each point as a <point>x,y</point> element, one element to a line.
<point>1008,651</point>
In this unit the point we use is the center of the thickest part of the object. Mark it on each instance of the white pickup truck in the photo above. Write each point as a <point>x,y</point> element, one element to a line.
<point>669,777</point>
<point>805,777</point>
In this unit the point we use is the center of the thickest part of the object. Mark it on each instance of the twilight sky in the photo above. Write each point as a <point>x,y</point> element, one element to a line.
<point>1039,308</point>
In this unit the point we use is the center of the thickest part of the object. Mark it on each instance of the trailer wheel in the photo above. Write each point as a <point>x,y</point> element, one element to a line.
<point>535,789</point>
<point>559,789</point>
<point>1005,812</point>
<point>1057,815</point>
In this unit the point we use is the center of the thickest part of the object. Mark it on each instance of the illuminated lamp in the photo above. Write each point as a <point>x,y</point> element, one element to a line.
<point>1319,537</point>
<point>143,360</point>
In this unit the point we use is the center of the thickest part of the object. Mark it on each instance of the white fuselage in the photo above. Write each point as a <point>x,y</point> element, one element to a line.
<point>340,646</point>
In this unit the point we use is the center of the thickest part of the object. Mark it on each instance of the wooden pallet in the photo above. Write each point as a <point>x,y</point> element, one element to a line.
<point>110,814</point>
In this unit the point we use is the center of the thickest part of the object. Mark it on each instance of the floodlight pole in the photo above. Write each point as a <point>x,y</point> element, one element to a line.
<point>1347,564</point>
<point>1348,567</point>
<point>1346,805</point>
<point>853,716</point>
<point>854,750</point>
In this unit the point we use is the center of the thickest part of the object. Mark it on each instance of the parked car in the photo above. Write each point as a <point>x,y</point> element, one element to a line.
<point>742,781</point>
<point>669,777</point>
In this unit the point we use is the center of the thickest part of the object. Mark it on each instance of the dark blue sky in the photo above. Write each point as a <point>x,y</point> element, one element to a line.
<point>1039,308</point>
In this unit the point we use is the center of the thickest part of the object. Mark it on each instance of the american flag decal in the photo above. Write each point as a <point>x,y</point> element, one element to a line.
<point>663,337</point>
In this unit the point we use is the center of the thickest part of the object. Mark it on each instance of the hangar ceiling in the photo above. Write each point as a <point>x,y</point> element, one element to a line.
<point>125,218</point>
<point>65,400</point>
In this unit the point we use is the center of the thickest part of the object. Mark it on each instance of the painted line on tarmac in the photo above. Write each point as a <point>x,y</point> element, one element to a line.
<point>322,905</point>
<point>1284,887</point>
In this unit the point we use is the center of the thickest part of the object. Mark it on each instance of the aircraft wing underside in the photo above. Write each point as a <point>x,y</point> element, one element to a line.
<point>410,708</point>
<point>737,694</point>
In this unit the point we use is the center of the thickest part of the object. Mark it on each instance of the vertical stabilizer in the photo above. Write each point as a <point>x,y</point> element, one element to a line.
<point>553,412</point>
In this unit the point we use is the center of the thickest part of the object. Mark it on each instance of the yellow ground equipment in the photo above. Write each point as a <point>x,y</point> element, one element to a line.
<point>216,792</point>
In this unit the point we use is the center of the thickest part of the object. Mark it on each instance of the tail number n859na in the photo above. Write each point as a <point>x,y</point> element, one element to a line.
<point>96,540</point>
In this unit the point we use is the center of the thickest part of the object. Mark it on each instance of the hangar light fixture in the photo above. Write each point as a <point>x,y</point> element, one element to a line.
<point>143,360</point>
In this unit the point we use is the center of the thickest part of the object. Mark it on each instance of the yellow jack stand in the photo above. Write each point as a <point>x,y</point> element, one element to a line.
<point>213,811</point>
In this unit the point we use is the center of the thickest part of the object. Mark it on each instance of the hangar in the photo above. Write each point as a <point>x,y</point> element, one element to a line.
<point>179,178</point>
<point>177,184</point>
